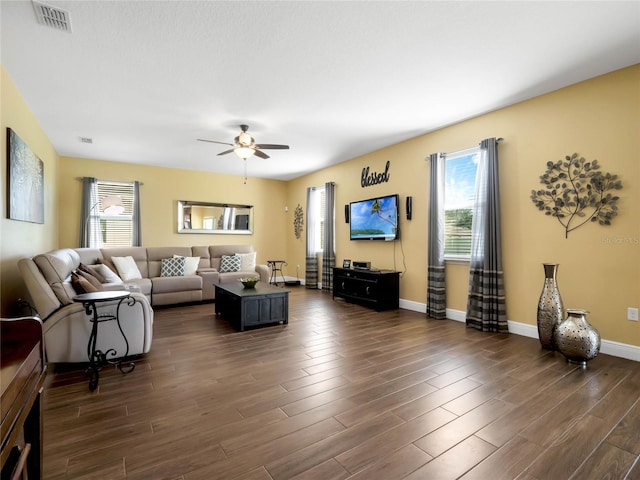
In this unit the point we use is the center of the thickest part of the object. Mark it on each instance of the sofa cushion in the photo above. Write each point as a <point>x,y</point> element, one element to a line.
<point>107,263</point>
<point>217,251</point>
<point>56,268</point>
<point>139,254</point>
<point>172,267</point>
<point>220,250</point>
<point>89,278</point>
<point>230,263</point>
<point>91,271</point>
<point>106,273</point>
<point>203,253</point>
<point>81,284</point>
<point>247,261</point>
<point>156,254</point>
<point>127,268</point>
<point>191,264</point>
<point>89,256</point>
<point>176,284</point>
<point>42,295</point>
<point>143,285</point>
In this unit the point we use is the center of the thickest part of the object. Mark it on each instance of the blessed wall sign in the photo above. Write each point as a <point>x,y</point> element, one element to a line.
<point>374,178</point>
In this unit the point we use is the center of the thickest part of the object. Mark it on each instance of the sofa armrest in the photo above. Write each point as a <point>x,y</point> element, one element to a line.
<point>67,331</point>
<point>263,271</point>
<point>210,277</point>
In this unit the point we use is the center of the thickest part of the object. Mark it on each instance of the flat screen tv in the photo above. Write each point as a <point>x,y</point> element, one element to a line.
<point>374,219</point>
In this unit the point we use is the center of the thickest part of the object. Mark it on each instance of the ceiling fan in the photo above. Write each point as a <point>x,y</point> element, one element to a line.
<point>245,145</point>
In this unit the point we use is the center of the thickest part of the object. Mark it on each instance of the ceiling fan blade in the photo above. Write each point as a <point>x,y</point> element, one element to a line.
<point>213,141</point>
<point>226,151</point>
<point>271,146</point>
<point>260,154</point>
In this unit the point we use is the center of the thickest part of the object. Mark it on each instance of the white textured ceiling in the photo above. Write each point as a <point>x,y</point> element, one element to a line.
<point>334,80</point>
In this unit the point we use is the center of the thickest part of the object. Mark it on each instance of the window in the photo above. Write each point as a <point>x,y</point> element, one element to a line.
<point>114,230</point>
<point>318,203</point>
<point>459,192</point>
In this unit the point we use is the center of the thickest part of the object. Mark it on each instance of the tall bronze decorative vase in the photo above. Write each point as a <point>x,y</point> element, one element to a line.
<point>576,338</point>
<point>550,310</point>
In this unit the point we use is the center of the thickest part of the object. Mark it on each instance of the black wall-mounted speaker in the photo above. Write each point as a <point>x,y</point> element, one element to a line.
<point>346,214</point>
<point>409,204</point>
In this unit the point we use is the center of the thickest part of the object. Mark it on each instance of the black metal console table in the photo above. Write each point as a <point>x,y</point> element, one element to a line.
<point>97,358</point>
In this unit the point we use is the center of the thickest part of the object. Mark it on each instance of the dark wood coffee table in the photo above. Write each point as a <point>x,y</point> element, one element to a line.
<point>252,307</point>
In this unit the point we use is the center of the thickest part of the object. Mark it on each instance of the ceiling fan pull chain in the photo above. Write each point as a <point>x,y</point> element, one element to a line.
<point>245,171</point>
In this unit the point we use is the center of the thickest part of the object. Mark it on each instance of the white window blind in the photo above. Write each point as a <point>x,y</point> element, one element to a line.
<point>116,230</point>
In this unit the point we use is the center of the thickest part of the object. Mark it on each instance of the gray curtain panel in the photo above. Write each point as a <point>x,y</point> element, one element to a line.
<point>136,234</point>
<point>311,266</point>
<point>486,305</point>
<point>89,231</point>
<point>436,305</point>
<point>329,252</point>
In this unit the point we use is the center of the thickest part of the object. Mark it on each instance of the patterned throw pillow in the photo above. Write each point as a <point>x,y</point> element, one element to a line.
<point>172,267</point>
<point>230,263</point>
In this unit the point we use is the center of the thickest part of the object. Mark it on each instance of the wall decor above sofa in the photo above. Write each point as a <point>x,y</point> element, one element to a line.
<point>204,217</point>
<point>25,181</point>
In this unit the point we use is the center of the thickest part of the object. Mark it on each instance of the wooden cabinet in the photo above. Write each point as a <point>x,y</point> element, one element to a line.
<point>379,289</point>
<point>22,375</point>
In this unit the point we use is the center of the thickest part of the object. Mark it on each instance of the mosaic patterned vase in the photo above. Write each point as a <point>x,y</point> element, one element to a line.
<point>550,310</point>
<point>576,338</point>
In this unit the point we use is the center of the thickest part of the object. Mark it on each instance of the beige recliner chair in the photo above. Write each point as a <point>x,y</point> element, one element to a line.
<point>66,325</point>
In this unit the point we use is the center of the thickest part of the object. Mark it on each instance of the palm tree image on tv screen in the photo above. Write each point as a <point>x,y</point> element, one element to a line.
<point>374,219</point>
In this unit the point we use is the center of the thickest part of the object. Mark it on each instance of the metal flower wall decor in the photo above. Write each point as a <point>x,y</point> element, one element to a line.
<point>298,221</point>
<point>576,192</point>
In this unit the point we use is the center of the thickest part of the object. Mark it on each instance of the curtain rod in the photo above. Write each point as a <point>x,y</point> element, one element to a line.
<point>111,181</point>
<point>462,151</point>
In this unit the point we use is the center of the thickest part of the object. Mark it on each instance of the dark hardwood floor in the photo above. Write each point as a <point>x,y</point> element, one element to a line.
<point>343,392</point>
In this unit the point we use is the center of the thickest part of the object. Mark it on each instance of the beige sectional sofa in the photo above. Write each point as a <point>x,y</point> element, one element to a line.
<point>66,324</point>
<point>179,289</point>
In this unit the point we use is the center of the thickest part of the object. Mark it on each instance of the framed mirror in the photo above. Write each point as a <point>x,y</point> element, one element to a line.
<point>202,217</point>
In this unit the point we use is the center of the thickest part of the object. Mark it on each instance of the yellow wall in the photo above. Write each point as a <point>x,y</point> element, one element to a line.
<point>599,266</point>
<point>162,189</point>
<point>599,119</point>
<point>19,239</point>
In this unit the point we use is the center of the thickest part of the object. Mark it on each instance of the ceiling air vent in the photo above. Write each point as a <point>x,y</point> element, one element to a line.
<point>53,17</point>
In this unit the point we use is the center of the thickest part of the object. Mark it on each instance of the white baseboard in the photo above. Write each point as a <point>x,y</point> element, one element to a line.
<point>413,306</point>
<point>608,347</point>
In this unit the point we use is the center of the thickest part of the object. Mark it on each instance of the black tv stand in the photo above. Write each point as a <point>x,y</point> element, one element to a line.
<point>378,289</point>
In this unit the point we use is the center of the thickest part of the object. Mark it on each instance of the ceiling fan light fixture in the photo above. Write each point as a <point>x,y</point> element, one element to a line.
<point>245,139</point>
<point>244,152</point>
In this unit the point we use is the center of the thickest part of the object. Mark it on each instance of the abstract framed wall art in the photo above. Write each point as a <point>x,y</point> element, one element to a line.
<point>25,179</point>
